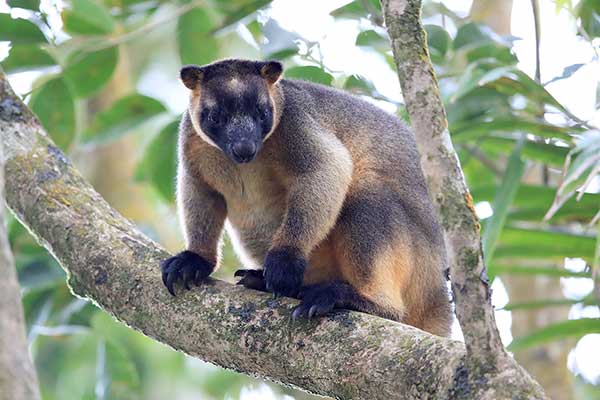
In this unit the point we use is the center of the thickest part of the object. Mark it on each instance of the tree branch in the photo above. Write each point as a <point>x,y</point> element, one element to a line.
<point>18,380</point>
<point>485,352</point>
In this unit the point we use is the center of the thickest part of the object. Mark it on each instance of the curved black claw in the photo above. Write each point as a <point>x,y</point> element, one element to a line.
<point>251,279</point>
<point>316,301</point>
<point>186,266</point>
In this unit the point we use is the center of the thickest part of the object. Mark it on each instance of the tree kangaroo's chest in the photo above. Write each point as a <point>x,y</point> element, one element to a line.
<point>255,205</point>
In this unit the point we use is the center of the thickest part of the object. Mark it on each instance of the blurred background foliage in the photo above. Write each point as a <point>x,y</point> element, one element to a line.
<point>532,166</point>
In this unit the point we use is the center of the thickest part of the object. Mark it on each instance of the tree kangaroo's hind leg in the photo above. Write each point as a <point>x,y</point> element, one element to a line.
<point>372,265</point>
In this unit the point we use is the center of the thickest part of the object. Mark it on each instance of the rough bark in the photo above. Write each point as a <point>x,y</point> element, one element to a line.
<point>485,352</point>
<point>347,355</point>
<point>18,380</point>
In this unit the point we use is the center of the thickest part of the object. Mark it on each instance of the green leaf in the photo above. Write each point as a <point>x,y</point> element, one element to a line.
<point>359,84</point>
<point>89,72</point>
<point>356,9</point>
<point>537,151</point>
<point>537,304</point>
<point>196,44</point>
<point>87,17</point>
<point>502,201</point>
<point>27,4</point>
<point>438,41</point>
<point>562,330</point>
<point>235,11</point>
<point>19,31</point>
<point>25,57</point>
<point>473,129</point>
<point>507,80</point>
<point>309,73</point>
<point>490,50</point>
<point>282,54</point>
<point>589,14</point>
<point>469,33</point>
<point>55,108</point>
<point>372,38</point>
<point>557,272</point>
<point>544,244</point>
<point>532,202</point>
<point>159,164</point>
<point>122,117</point>
<point>579,173</point>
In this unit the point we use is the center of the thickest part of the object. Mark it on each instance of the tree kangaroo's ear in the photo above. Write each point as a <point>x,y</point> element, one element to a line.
<point>190,76</point>
<point>271,71</point>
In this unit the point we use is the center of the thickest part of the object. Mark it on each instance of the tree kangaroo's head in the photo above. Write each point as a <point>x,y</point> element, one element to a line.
<point>233,104</point>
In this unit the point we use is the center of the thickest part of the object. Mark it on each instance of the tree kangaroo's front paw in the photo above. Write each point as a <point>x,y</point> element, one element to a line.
<point>251,279</point>
<point>186,266</point>
<point>284,271</point>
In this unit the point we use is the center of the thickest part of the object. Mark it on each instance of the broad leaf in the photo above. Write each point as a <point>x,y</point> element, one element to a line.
<point>25,57</point>
<point>122,117</point>
<point>28,4</point>
<point>309,73</point>
<point>438,41</point>
<point>54,105</point>
<point>19,31</point>
<point>373,39</point>
<point>469,34</point>
<point>589,13</point>
<point>357,9</point>
<point>87,17</point>
<point>196,44</point>
<point>89,72</point>
<point>235,11</point>
<point>159,164</point>
<point>359,84</point>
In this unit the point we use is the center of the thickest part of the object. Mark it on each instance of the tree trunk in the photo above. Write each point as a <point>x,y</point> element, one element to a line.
<point>18,380</point>
<point>485,352</point>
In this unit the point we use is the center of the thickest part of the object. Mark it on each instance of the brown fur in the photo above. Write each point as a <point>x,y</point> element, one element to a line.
<point>349,173</point>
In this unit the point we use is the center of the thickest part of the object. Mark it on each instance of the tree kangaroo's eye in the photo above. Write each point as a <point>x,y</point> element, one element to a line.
<point>263,113</point>
<point>212,117</point>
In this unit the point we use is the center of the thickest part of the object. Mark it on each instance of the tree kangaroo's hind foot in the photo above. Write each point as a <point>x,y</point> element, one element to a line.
<point>322,298</point>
